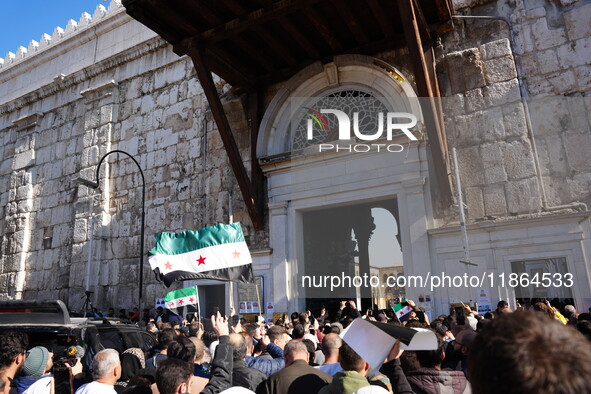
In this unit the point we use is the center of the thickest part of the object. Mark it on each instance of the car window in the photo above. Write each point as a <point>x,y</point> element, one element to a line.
<point>111,339</point>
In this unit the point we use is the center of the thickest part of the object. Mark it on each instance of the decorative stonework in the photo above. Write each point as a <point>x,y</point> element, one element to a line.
<point>85,21</point>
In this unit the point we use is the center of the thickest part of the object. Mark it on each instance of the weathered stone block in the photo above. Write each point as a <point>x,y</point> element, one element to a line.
<point>468,129</point>
<point>578,151</point>
<point>524,42</point>
<point>545,114</point>
<point>514,120</point>
<point>491,123</point>
<point>547,38</point>
<point>523,196</point>
<point>536,13</point>
<point>563,82</point>
<point>578,22</point>
<point>500,69</point>
<point>467,69</point>
<point>24,159</point>
<point>80,230</point>
<point>24,192</point>
<point>583,78</point>
<point>495,202</point>
<point>495,49</point>
<point>579,186</point>
<point>474,100</point>
<point>502,93</point>
<point>518,158</point>
<point>492,160</point>
<point>547,62</point>
<point>551,155</point>
<point>577,54</point>
<point>471,171</point>
<point>475,201</point>
<point>147,104</point>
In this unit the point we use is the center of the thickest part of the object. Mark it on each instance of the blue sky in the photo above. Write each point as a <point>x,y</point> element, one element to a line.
<point>23,21</point>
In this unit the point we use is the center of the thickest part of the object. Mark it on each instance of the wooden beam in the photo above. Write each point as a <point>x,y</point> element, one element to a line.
<point>277,47</point>
<point>425,88</point>
<point>378,13</point>
<point>347,15</point>
<point>369,48</point>
<point>299,37</point>
<point>445,9</point>
<point>224,30</point>
<point>223,66</point>
<point>325,31</point>
<point>254,102</point>
<point>197,54</point>
<point>138,12</point>
<point>422,24</point>
<point>430,62</point>
<point>185,46</point>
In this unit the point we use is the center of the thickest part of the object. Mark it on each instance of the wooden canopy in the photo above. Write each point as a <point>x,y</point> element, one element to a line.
<point>254,43</point>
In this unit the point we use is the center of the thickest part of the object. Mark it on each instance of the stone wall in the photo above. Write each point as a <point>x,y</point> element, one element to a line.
<point>486,111</point>
<point>138,97</point>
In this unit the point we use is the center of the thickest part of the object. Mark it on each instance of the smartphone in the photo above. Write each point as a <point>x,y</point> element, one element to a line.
<point>460,317</point>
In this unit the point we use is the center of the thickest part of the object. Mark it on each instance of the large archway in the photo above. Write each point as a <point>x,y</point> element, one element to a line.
<point>322,200</point>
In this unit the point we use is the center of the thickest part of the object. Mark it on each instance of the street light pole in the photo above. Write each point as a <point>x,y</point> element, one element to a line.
<point>95,185</point>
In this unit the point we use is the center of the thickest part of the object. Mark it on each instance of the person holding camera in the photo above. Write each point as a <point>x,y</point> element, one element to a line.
<point>36,375</point>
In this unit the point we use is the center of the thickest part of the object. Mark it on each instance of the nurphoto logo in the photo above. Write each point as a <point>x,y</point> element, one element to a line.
<point>395,121</point>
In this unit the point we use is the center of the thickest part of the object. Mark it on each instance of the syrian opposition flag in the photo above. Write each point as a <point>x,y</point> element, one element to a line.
<point>401,310</point>
<point>217,252</point>
<point>182,301</point>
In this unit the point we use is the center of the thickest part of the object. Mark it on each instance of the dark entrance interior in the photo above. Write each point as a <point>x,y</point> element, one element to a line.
<point>336,240</point>
<point>211,297</point>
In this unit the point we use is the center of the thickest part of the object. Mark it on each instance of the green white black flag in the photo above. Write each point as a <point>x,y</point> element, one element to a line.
<point>217,252</point>
<point>182,301</point>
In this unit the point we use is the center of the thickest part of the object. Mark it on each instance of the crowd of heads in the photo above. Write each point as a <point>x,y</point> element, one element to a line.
<point>544,349</point>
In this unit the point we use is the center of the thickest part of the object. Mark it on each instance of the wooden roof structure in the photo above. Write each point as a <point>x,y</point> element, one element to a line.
<point>254,43</point>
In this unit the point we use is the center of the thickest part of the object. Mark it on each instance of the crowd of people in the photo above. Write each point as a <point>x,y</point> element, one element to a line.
<point>540,350</point>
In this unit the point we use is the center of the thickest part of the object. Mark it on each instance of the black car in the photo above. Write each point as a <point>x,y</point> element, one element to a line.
<point>48,323</point>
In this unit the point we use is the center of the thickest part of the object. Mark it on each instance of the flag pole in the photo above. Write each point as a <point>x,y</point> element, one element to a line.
<point>256,286</point>
<point>231,220</point>
<point>198,305</point>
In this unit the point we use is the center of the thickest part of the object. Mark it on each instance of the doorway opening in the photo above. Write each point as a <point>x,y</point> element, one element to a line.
<point>348,242</point>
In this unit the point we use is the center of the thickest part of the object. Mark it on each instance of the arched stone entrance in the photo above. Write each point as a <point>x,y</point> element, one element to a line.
<point>320,202</point>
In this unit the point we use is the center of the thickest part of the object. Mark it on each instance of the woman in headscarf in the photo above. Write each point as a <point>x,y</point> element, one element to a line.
<point>132,361</point>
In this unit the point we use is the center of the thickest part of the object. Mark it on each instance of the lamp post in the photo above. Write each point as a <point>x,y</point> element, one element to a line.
<point>95,185</point>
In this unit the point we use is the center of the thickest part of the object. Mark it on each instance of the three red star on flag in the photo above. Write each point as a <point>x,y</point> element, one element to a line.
<point>236,254</point>
<point>168,266</point>
<point>191,299</point>
<point>201,260</point>
<point>181,302</point>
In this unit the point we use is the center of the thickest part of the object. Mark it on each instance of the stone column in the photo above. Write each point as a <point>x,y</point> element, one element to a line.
<point>415,240</point>
<point>363,225</point>
<point>282,281</point>
<point>101,108</point>
<point>18,233</point>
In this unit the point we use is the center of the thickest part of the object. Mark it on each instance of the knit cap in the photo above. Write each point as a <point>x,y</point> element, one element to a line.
<point>36,361</point>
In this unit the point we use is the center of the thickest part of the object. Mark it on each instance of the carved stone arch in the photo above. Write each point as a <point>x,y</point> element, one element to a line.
<point>355,72</point>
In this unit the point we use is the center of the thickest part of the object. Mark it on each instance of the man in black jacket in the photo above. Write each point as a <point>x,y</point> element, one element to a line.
<point>241,374</point>
<point>298,376</point>
<point>431,379</point>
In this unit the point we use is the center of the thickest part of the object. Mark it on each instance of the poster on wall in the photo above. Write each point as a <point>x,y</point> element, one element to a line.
<point>247,296</point>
